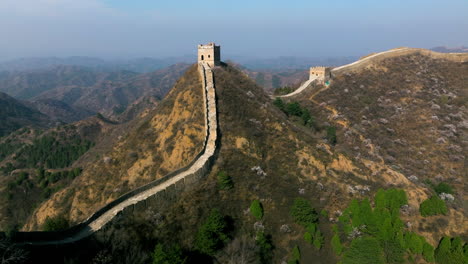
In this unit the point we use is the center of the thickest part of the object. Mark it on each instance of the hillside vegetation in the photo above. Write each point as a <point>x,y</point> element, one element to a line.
<point>406,114</point>
<point>153,145</point>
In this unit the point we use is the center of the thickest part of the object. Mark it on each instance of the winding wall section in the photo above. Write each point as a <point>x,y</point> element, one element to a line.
<point>301,88</point>
<point>164,188</point>
<point>364,62</point>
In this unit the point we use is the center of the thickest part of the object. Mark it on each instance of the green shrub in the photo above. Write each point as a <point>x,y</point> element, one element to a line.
<point>212,234</point>
<point>168,255</point>
<point>428,252</point>
<point>364,250</point>
<point>307,119</point>
<point>224,181</point>
<point>414,242</point>
<point>308,237</point>
<point>331,135</point>
<point>336,244</point>
<point>283,90</point>
<point>391,199</point>
<point>393,251</point>
<point>293,109</point>
<point>265,246</point>
<point>318,239</point>
<point>279,103</point>
<point>295,255</point>
<point>433,206</point>
<point>311,229</point>
<point>55,223</point>
<point>303,213</point>
<point>22,176</point>
<point>451,251</point>
<point>256,209</point>
<point>324,213</point>
<point>443,188</point>
<point>76,172</point>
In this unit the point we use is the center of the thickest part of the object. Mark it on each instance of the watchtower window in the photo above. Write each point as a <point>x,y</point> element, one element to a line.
<point>202,57</point>
<point>209,56</point>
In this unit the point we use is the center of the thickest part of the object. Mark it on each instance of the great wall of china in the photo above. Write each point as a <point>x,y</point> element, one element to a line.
<point>176,182</point>
<point>366,61</point>
<point>157,191</point>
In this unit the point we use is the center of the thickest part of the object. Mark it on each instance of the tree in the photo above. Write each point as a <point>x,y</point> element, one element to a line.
<point>256,209</point>
<point>433,206</point>
<point>450,251</point>
<point>212,234</point>
<point>168,255</point>
<point>303,213</point>
<point>279,103</point>
<point>318,239</point>
<point>294,109</point>
<point>443,188</point>
<point>295,255</point>
<point>224,181</point>
<point>265,247</point>
<point>428,252</point>
<point>414,243</point>
<point>331,135</point>
<point>336,244</point>
<point>364,250</point>
<point>55,223</point>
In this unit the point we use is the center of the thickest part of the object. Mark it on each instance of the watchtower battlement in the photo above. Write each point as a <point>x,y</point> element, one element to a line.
<point>209,53</point>
<point>320,72</point>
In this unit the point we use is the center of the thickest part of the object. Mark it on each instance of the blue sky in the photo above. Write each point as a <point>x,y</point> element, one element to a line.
<point>255,28</point>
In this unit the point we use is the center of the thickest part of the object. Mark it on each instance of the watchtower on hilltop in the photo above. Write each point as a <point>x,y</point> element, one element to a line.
<point>320,73</point>
<point>209,53</point>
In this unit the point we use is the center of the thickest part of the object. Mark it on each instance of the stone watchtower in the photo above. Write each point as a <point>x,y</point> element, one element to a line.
<point>209,53</point>
<point>320,73</point>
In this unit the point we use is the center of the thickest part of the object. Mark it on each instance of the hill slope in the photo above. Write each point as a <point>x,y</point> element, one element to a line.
<point>407,113</point>
<point>158,143</point>
<point>14,115</point>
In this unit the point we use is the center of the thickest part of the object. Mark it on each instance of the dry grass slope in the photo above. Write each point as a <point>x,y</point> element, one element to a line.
<point>161,142</point>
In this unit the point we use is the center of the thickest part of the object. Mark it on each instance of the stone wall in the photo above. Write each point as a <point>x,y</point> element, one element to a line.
<point>457,57</point>
<point>164,189</point>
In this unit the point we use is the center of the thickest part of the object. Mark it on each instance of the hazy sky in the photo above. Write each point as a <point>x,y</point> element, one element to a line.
<point>265,28</point>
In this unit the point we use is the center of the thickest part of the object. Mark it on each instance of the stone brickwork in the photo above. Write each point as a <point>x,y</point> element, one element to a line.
<point>209,54</point>
<point>320,73</point>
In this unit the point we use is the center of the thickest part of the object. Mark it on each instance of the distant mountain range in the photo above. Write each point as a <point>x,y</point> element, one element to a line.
<point>70,93</point>
<point>139,65</point>
<point>143,65</point>
<point>445,49</point>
